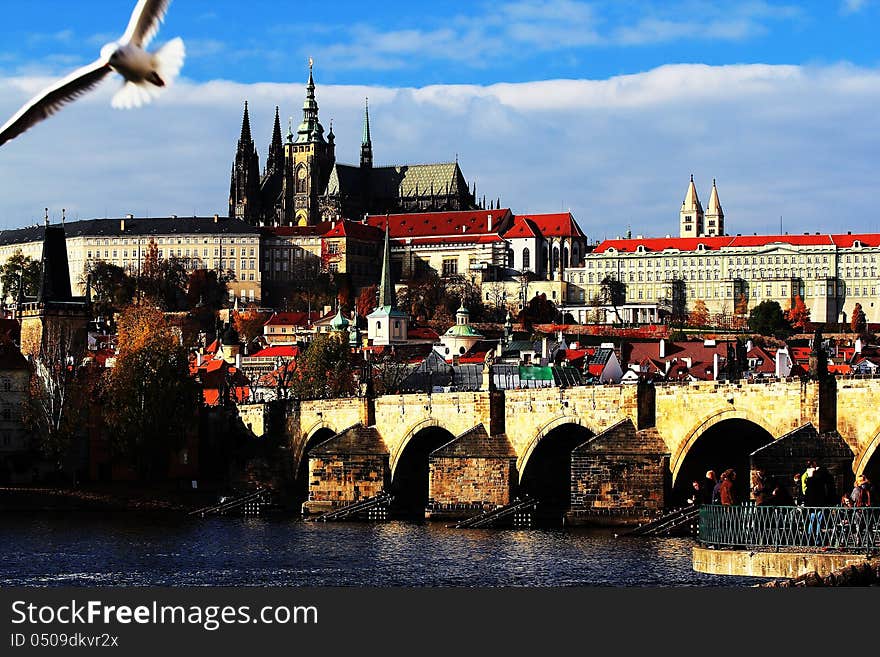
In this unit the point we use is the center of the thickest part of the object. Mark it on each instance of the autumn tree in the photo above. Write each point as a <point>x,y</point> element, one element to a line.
<point>741,312</point>
<point>858,322</point>
<point>367,300</point>
<point>699,316</point>
<point>19,268</point>
<point>150,396</point>
<point>249,323</point>
<point>676,302</point>
<point>323,370</point>
<point>799,314</point>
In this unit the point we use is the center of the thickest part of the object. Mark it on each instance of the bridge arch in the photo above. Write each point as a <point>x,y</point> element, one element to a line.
<point>410,468</point>
<point>545,466</point>
<point>558,421</point>
<point>702,426</point>
<point>867,462</point>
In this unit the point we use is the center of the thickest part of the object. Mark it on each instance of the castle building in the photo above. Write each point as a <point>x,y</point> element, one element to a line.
<point>303,185</point>
<point>831,273</point>
<point>199,242</point>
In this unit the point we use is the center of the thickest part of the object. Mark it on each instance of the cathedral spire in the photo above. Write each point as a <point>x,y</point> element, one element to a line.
<point>386,287</point>
<point>275,157</point>
<point>245,137</point>
<point>366,141</point>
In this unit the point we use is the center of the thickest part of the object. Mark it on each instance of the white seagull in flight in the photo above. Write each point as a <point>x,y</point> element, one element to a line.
<point>145,73</point>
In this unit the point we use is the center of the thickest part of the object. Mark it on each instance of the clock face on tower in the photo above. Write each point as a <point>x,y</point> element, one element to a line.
<point>301,173</point>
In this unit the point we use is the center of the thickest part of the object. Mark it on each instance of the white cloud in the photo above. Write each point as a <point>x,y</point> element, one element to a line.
<point>853,6</point>
<point>511,30</point>
<point>781,140</point>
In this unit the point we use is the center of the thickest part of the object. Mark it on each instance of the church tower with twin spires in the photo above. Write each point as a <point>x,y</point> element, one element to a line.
<point>693,222</point>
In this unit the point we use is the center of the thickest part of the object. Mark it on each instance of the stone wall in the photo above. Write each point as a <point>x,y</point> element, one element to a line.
<point>335,481</point>
<point>475,482</point>
<point>618,477</point>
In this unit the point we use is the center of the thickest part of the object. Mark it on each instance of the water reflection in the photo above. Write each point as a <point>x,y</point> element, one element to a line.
<point>124,549</point>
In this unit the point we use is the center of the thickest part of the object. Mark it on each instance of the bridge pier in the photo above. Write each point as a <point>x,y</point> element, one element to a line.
<point>619,477</point>
<point>471,474</point>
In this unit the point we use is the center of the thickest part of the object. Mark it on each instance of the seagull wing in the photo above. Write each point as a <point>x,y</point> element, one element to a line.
<point>53,98</point>
<point>145,21</point>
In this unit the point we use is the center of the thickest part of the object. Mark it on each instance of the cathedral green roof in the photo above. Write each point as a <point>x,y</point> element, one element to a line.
<point>463,331</point>
<point>395,181</point>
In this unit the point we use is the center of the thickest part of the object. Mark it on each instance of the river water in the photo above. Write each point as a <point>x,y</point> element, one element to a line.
<point>100,549</point>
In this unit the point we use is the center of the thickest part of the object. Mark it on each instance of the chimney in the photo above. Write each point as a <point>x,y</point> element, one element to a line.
<point>216,218</point>
<point>749,346</point>
<point>545,352</point>
<point>858,346</point>
<point>129,216</point>
<point>779,354</point>
<point>122,225</point>
<point>715,363</point>
<point>238,361</point>
<point>662,348</point>
<point>198,359</point>
<point>489,223</point>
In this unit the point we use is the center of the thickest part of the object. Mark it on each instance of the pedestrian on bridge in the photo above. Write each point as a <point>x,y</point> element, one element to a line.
<point>726,492</point>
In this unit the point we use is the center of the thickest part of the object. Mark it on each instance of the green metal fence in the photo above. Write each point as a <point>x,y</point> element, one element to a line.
<point>749,526</point>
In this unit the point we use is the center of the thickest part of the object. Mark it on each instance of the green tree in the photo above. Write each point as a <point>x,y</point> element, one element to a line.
<point>19,267</point>
<point>768,318</point>
<point>112,287</point>
<point>612,292</point>
<point>208,287</point>
<point>324,369</point>
<point>150,397</point>
<point>540,310</point>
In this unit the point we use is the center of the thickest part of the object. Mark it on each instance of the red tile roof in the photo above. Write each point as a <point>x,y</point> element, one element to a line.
<point>431,224</point>
<point>356,229</point>
<point>292,319</point>
<point>422,334</point>
<point>522,227</point>
<point>737,241</point>
<point>284,351</point>
<point>561,224</point>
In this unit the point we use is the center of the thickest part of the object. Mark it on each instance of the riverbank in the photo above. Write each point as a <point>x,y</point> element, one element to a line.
<point>106,497</point>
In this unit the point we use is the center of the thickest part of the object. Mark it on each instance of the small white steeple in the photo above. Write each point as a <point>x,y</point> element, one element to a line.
<point>691,215</point>
<point>714,214</point>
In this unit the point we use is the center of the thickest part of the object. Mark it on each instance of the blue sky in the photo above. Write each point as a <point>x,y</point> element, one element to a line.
<point>604,108</point>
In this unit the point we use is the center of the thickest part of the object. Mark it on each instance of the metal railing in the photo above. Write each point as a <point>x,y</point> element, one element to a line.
<point>805,527</point>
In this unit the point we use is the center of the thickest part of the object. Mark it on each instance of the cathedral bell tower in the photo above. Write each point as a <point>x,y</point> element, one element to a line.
<point>310,158</point>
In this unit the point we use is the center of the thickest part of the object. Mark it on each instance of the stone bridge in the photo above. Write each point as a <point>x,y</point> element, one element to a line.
<point>610,450</point>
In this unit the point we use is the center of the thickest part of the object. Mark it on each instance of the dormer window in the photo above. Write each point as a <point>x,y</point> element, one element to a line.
<point>640,249</point>
<point>701,247</point>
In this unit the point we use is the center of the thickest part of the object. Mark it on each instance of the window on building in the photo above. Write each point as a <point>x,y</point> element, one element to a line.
<point>450,267</point>
<point>526,259</point>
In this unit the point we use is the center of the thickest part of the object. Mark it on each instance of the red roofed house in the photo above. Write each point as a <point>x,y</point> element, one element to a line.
<point>461,243</point>
<point>288,327</point>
